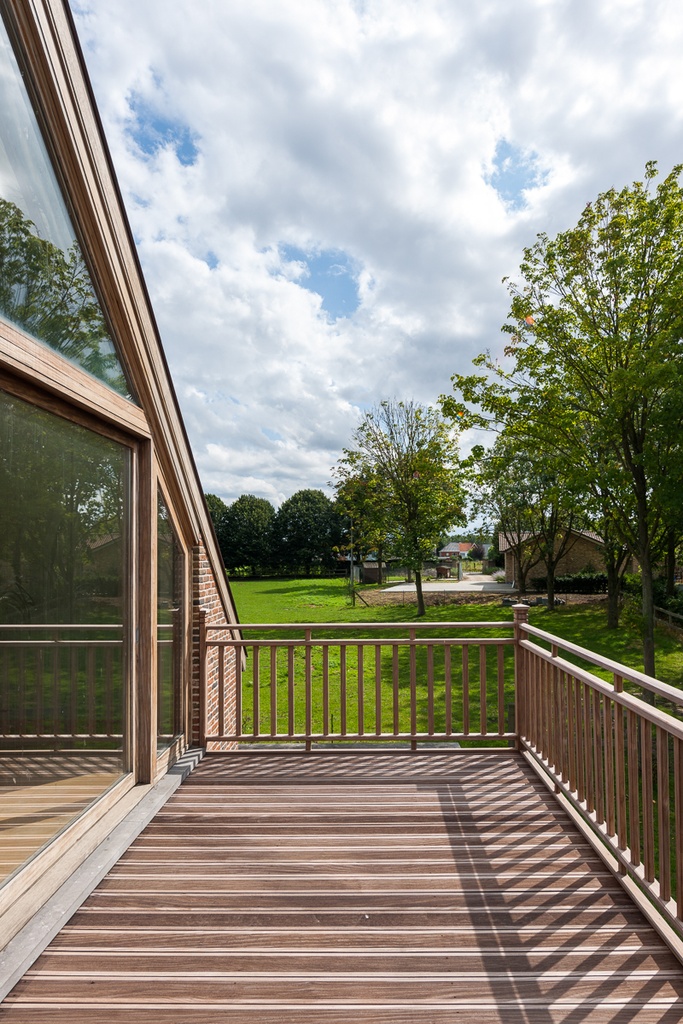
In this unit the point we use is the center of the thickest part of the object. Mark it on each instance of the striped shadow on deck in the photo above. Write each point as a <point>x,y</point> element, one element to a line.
<point>276,888</point>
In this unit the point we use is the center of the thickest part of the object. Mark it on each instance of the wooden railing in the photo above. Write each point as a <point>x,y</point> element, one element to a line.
<point>337,682</point>
<point>613,753</point>
<point>61,683</point>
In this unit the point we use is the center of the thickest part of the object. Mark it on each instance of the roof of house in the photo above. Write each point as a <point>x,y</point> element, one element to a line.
<point>505,543</point>
<point>456,547</point>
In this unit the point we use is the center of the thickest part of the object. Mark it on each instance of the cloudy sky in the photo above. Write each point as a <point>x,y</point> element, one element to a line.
<point>326,194</point>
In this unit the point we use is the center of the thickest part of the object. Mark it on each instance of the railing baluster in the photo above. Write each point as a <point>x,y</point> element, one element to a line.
<point>256,690</point>
<point>465,690</point>
<point>633,786</point>
<point>238,691</point>
<point>448,688</point>
<point>589,747</point>
<point>678,812</point>
<point>598,747</point>
<point>483,703</point>
<point>291,668</point>
<point>501,690</point>
<point>580,746</point>
<point>663,814</point>
<point>378,690</point>
<point>608,734</point>
<point>620,781</point>
<point>361,692</point>
<point>273,689</point>
<point>308,683</point>
<point>342,689</point>
<point>413,687</point>
<point>326,690</point>
<point>430,688</point>
<point>38,714</point>
<point>221,691</point>
<point>571,735</point>
<point>395,687</point>
<point>647,800</point>
<point>108,691</point>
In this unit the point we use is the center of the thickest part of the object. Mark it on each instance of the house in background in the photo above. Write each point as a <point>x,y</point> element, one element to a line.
<point>108,560</point>
<point>584,552</point>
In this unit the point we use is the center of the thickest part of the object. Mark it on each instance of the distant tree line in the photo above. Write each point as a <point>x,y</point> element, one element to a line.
<point>303,537</point>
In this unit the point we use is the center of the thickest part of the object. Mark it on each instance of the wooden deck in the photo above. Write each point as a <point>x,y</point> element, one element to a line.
<point>356,887</point>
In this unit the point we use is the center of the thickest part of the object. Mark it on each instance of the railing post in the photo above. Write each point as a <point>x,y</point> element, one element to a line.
<point>203,710</point>
<point>521,617</point>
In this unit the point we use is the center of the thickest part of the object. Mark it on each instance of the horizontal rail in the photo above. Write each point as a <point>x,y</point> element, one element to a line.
<point>670,693</point>
<point>367,626</point>
<point>491,641</point>
<point>56,627</point>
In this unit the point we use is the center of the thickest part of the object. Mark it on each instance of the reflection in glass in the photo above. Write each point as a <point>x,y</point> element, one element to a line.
<point>169,629</point>
<point>63,612</point>
<point>45,288</point>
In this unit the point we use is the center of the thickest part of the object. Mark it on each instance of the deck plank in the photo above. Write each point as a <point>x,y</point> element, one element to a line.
<point>375,888</point>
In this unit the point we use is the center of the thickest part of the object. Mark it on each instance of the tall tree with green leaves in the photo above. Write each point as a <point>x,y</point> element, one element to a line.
<point>306,533</point>
<point>413,451</point>
<point>595,361</point>
<point>247,533</point>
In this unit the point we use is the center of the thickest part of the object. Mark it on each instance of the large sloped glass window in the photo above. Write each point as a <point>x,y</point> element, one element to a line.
<point>64,527</point>
<point>45,288</point>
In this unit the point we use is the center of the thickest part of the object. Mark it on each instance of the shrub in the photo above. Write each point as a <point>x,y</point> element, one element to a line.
<point>575,583</point>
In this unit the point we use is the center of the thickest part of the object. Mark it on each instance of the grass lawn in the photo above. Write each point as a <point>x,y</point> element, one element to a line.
<point>316,600</point>
<point>327,601</point>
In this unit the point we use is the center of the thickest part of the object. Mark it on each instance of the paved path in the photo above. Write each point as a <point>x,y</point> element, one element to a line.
<point>473,583</point>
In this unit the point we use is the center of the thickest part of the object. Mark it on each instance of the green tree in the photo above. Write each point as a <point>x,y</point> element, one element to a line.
<point>306,533</point>
<point>246,533</point>
<point>595,369</point>
<point>361,499</point>
<point>217,510</point>
<point>413,452</point>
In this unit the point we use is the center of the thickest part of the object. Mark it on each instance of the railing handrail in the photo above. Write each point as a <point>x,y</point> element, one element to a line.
<point>373,626</point>
<point>672,693</point>
<point>627,700</point>
<point>61,625</point>
<point>403,641</point>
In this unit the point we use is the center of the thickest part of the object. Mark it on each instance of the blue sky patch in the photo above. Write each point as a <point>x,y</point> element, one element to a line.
<point>514,171</point>
<point>152,131</point>
<point>331,275</point>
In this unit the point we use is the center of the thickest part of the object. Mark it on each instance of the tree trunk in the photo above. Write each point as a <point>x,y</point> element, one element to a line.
<point>420,596</point>
<point>670,563</point>
<point>550,583</point>
<point>613,593</point>
<point>648,607</point>
<point>379,565</point>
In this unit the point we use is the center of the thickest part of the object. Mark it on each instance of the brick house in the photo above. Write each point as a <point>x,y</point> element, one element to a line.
<point>585,552</point>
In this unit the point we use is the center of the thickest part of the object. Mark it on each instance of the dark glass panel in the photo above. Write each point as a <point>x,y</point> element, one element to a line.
<point>64,517</point>
<point>170,574</point>
<point>45,288</point>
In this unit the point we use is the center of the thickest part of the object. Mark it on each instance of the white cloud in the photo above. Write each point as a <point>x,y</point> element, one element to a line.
<point>368,128</point>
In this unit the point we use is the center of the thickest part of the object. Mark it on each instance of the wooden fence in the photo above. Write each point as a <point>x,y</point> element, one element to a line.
<point>329,685</point>
<point>613,753</point>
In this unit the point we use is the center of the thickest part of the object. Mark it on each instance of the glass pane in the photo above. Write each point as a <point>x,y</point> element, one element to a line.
<point>45,288</point>
<point>64,519</point>
<point>169,629</point>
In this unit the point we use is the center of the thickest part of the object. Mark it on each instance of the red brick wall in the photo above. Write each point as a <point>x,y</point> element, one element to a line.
<point>206,599</point>
<point>582,553</point>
